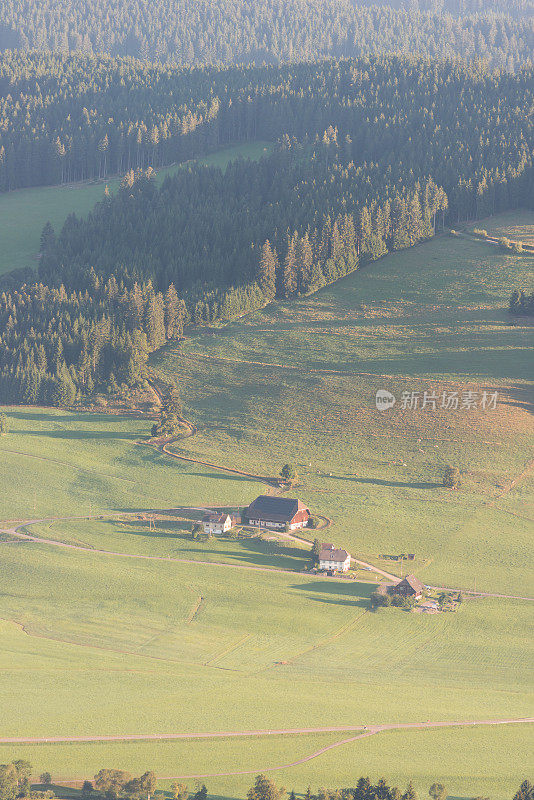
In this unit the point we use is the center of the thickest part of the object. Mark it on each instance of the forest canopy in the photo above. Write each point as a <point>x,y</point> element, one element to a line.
<point>371,155</point>
<point>216,32</point>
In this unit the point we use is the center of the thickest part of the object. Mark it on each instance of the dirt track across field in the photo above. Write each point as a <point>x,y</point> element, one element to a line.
<point>364,732</point>
<point>16,531</point>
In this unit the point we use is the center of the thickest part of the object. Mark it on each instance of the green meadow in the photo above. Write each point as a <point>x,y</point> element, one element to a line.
<point>114,643</point>
<point>103,644</point>
<point>297,382</point>
<point>24,212</point>
<point>468,760</point>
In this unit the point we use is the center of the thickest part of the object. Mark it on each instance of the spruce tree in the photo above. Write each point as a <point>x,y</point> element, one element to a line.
<point>267,271</point>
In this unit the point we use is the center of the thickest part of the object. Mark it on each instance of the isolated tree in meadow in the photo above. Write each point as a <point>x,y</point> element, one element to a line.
<point>379,600</point>
<point>4,425</point>
<point>45,778</point>
<point>87,790</point>
<point>147,783</point>
<point>201,794</point>
<point>111,782</point>
<point>265,789</point>
<point>9,788</point>
<point>410,793</point>
<point>525,791</point>
<point>24,771</point>
<point>451,478</point>
<point>179,791</point>
<point>437,791</point>
<point>289,473</point>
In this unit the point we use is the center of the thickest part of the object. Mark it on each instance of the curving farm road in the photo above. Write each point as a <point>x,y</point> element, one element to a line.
<point>365,731</point>
<point>16,531</point>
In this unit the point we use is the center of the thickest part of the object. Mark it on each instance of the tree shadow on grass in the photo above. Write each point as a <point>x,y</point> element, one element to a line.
<point>72,434</point>
<point>341,593</point>
<point>220,475</point>
<point>47,416</point>
<point>516,395</point>
<point>395,484</point>
<point>182,529</point>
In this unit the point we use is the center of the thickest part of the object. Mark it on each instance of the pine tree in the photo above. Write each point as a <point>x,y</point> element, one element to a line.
<point>289,275</point>
<point>267,271</point>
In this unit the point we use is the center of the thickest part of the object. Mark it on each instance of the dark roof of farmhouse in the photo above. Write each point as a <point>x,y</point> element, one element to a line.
<point>276,509</point>
<point>333,554</point>
<point>411,581</point>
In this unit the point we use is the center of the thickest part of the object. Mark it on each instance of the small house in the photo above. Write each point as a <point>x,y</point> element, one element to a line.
<point>217,523</point>
<point>410,586</point>
<point>277,513</point>
<point>332,559</point>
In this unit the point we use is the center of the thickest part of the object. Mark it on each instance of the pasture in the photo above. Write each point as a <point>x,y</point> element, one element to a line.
<point>296,382</point>
<point>24,212</point>
<point>55,463</point>
<point>103,644</point>
<point>112,643</point>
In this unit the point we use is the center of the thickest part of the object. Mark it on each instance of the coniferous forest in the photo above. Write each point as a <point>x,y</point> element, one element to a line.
<point>371,155</point>
<point>188,32</point>
<point>372,151</point>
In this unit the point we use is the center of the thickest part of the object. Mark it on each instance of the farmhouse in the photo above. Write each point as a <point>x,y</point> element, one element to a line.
<point>409,587</point>
<point>330,558</point>
<point>277,512</point>
<point>217,523</point>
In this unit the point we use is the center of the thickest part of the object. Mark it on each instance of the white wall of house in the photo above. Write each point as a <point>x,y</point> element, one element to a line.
<point>218,527</point>
<point>340,566</point>
<point>261,523</point>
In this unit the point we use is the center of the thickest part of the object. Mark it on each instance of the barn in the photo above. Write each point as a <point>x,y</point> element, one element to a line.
<point>409,587</point>
<point>277,513</point>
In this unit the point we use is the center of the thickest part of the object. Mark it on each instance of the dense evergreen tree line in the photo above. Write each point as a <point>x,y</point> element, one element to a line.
<point>66,119</point>
<point>71,118</point>
<point>56,346</point>
<point>372,156</point>
<point>206,230</point>
<point>218,32</point>
<point>372,150</point>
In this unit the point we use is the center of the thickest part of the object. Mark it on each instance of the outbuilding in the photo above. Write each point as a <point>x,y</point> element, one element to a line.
<point>410,586</point>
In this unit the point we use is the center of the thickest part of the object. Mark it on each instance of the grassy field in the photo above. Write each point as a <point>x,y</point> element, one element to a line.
<point>171,538</point>
<point>24,212</point>
<point>460,758</point>
<point>108,644</point>
<point>429,319</point>
<point>55,463</point>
